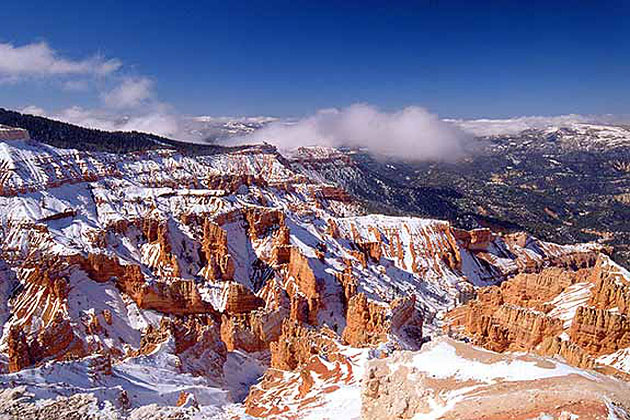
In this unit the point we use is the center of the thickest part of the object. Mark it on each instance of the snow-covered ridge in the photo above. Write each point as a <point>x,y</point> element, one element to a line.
<point>516,125</point>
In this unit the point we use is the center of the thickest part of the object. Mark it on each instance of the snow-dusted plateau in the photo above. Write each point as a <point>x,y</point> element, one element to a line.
<point>168,282</point>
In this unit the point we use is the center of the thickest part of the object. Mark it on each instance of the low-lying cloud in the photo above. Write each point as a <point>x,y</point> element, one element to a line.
<point>156,121</point>
<point>156,118</point>
<point>412,133</point>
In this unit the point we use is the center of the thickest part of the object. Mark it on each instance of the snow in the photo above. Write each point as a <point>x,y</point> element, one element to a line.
<point>616,412</point>
<point>242,370</point>
<point>442,361</point>
<point>152,379</point>
<point>444,403</point>
<point>619,359</point>
<point>565,305</point>
<point>620,274</point>
<point>345,402</point>
<point>580,129</point>
<point>344,379</point>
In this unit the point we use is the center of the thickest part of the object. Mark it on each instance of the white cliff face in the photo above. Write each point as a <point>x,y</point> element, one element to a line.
<point>158,277</point>
<point>11,133</point>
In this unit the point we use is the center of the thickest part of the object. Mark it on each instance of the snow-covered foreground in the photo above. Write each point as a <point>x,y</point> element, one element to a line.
<point>453,380</point>
<point>444,380</point>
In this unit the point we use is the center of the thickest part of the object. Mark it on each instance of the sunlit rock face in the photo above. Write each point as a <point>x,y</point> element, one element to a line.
<point>236,282</point>
<point>577,313</point>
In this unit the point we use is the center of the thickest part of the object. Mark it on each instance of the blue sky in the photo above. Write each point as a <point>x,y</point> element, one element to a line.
<point>458,59</point>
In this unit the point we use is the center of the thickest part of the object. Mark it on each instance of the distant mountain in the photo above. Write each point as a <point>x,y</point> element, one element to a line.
<point>564,184</point>
<point>61,134</point>
<point>213,129</point>
<point>65,135</point>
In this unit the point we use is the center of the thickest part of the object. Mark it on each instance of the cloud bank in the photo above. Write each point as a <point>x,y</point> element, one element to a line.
<point>125,101</point>
<point>154,117</point>
<point>153,121</point>
<point>412,133</point>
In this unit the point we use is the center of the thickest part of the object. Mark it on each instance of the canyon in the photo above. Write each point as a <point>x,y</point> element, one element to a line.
<point>240,282</point>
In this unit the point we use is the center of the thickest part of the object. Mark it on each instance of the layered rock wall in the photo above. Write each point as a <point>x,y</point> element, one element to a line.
<point>599,331</point>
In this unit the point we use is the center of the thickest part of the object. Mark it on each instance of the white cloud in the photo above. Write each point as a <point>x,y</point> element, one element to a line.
<point>126,103</point>
<point>39,60</point>
<point>80,85</point>
<point>33,110</point>
<point>156,120</point>
<point>130,93</point>
<point>130,106</point>
<point>412,133</point>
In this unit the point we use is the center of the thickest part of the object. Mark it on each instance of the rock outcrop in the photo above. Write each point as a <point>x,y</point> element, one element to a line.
<point>178,297</point>
<point>474,240</point>
<point>298,343</point>
<point>205,269</point>
<point>262,221</point>
<point>599,331</point>
<point>511,328</point>
<point>575,312</point>
<point>11,133</point>
<point>57,341</point>
<point>239,299</point>
<point>566,350</point>
<point>535,290</point>
<point>101,267</point>
<point>443,381</point>
<point>253,331</point>
<point>612,289</point>
<point>41,328</point>
<point>197,341</point>
<point>304,289</point>
<point>369,324</point>
<point>366,322</point>
<point>217,260</point>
